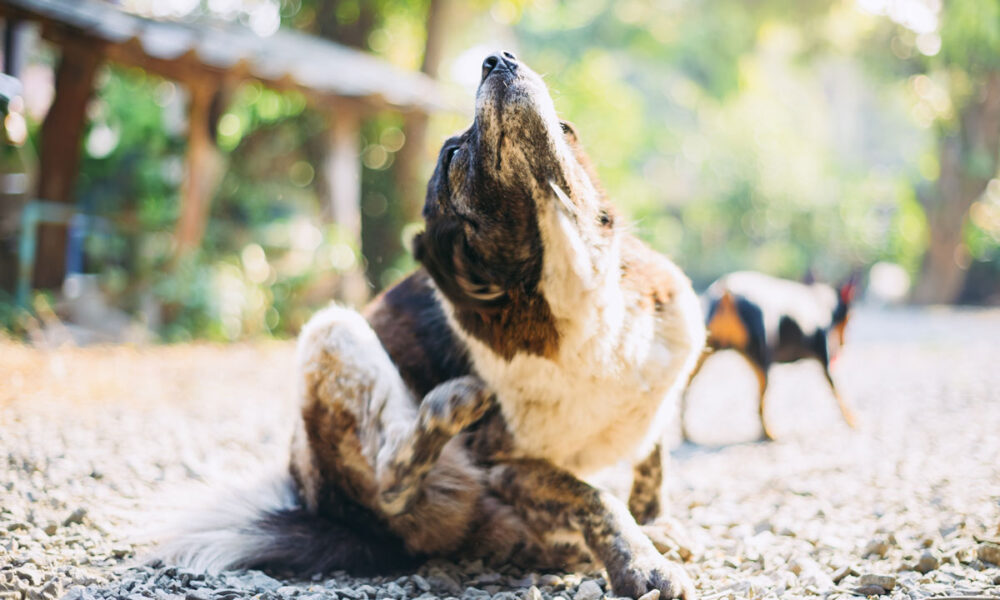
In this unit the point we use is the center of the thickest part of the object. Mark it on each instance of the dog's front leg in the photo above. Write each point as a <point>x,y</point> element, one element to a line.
<point>405,460</point>
<point>542,493</point>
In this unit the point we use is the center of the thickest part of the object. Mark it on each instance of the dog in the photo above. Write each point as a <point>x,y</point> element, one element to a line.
<point>770,320</point>
<point>470,410</point>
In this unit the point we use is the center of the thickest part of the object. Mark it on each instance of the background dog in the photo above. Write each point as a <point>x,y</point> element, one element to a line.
<point>468,412</point>
<point>770,320</point>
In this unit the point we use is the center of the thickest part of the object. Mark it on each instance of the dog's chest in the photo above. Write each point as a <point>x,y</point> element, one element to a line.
<point>593,404</point>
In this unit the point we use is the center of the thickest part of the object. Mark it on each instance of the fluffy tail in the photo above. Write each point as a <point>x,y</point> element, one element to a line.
<point>263,526</point>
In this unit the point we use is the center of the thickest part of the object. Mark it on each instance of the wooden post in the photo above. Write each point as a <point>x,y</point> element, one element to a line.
<point>203,167</point>
<point>343,172</point>
<point>340,186</point>
<point>61,144</point>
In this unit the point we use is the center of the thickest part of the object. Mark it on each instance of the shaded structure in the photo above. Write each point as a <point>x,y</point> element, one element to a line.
<point>210,60</point>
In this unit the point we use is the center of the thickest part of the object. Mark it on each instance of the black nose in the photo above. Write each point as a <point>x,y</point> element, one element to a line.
<point>499,61</point>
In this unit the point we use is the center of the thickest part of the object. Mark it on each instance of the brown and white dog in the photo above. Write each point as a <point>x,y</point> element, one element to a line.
<point>770,320</point>
<point>467,413</point>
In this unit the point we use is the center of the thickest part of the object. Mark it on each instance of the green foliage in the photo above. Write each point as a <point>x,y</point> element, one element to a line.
<point>266,262</point>
<point>970,35</point>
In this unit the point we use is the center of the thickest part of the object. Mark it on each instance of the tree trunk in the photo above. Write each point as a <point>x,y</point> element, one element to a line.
<point>410,157</point>
<point>968,159</point>
<point>203,169</point>
<point>61,146</point>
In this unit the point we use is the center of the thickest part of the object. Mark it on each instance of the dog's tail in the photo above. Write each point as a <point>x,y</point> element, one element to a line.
<point>264,526</point>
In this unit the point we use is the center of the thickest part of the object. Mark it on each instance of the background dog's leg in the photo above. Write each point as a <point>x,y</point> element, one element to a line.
<point>544,495</point>
<point>445,411</point>
<point>845,407</point>
<point>761,373</point>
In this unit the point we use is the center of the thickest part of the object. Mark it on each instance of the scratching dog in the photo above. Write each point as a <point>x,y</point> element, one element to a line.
<point>470,410</point>
<point>770,320</point>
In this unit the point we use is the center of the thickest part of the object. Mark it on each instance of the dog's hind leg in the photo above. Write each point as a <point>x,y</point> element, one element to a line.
<point>404,463</point>
<point>845,407</point>
<point>365,438</point>
<point>549,498</point>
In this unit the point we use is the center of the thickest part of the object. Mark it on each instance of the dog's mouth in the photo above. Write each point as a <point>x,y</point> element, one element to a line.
<point>515,116</point>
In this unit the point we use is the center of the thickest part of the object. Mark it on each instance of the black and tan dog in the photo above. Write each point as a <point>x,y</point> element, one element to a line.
<point>770,320</point>
<point>468,411</point>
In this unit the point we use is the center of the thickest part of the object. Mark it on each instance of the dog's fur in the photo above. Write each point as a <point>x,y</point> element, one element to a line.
<point>464,414</point>
<point>770,320</point>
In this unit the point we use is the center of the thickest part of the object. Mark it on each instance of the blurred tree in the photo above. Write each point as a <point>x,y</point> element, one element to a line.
<point>968,142</point>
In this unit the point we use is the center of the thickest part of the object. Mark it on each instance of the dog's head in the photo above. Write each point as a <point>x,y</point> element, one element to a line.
<point>508,192</point>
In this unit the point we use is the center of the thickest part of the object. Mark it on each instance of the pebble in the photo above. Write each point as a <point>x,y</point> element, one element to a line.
<point>886,582</point>
<point>588,590</point>
<point>989,552</point>
<point>532,593</point>
<point>928,562</point>
<point>843,572</point>
<point>877,547</point>
<point>76,517</point>
<point>870,590</point>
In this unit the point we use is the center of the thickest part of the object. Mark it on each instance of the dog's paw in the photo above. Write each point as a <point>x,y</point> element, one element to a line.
<point>456,404</point>
<point>670,537</point>
<point>653,573</point>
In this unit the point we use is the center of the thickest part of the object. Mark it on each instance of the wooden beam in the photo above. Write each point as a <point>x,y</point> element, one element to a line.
<point>203,167</point>
<point>61,145</point>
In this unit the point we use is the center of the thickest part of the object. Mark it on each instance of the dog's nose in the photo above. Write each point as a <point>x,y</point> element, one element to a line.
<point>499,61</point>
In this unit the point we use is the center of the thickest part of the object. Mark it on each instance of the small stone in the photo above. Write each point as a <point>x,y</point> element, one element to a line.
<point>421,583</point>
<point>650,595</point>
<point>886,582</point>
<point>841,573</point>
<point>443,581</point>
<point>878,547</point>
<point>531,593</point>
<point>51,529</point>
<point>472,593</point>
<point>76,517</point>
<point>870,590</point>
<point>588,590</point>
<point>260,581</point>
<point>550,579</point>
<point>989,552</point>
<point>928,562</point>
<point>51,591</point>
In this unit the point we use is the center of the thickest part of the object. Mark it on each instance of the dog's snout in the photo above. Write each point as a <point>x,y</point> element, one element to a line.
<point>499,62</point>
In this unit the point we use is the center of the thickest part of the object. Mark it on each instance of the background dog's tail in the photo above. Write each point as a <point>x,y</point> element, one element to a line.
<point>264,526</point>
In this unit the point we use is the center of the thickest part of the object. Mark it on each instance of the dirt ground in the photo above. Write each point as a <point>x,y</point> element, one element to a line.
<point>907,506</point>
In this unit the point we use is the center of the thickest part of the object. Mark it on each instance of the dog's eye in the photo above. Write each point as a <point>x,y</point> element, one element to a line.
<point>605,218</point>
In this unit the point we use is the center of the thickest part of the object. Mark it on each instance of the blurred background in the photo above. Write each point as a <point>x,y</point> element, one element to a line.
<point>218,169</point>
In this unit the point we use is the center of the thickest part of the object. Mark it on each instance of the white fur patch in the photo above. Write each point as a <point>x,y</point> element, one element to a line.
<point>606,395</point>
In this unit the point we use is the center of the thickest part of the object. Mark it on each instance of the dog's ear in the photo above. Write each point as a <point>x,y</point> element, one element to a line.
<point>848,290</point>
<point>456,271</point>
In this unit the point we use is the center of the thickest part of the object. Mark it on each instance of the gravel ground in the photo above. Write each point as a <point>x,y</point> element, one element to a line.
<point>908,506</point>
